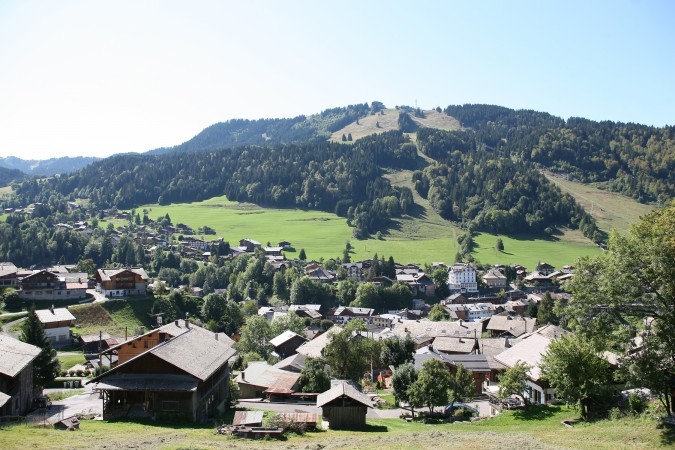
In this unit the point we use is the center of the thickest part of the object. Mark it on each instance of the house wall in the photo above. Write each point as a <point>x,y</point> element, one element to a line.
<point>20,388</point>
<point>58,336</point>
<point>52,294</point>
<point>538,394</point>
<point>140,345</point>
<point>345,417</point>
<point>251,391</point>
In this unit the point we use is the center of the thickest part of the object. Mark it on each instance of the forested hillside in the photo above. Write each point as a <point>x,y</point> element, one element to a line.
<point>633,159</point>
<point>326,176</point>
<point>268,132</point>
<point>9,175</point>
<point>484,176</point>
<point>487,189</point>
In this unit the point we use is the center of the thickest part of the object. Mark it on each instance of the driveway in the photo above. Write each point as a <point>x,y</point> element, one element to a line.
<point>8,325</point>
<point>98,297</point>
<point>87,402</point>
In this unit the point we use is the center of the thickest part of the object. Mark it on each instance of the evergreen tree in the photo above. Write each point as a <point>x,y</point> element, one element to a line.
<point>500,244</point>
<point>302,256</point>
<point>545,313</point>
<point>46,366</point>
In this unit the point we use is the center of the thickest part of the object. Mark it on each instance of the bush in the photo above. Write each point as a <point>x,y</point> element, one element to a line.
<point>636,403</point>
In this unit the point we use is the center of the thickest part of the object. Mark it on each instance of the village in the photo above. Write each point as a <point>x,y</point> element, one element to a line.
<point>488,324</point>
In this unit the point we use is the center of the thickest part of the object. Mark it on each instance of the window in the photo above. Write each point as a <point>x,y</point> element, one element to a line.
<point>146,344</point>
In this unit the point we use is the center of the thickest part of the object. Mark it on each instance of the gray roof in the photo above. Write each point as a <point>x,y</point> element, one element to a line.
<point>105,274</point>
<point>143,382</point>
<point>340,389</point>
<point>259,373</point>
<point>515,325</point>
<point>454,345</point>
<point>285,337</point>
<point>195,351</point>
<point>15,355</point>
<point>313,348</point>
<point>426,327</point>
<point>294,363</point>
<point>528,351</point>
<point>54,315</point>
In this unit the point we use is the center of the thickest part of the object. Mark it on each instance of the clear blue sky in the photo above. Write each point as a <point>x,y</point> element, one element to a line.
<point>97,78</point>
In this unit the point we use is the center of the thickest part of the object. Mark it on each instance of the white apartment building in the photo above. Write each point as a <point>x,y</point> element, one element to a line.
<point>462,278</point>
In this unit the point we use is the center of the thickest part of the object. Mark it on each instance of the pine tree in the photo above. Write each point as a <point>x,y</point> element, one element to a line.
<point>46,366</point>
<point>349,137</point>
<point>302,256</point>
<point>500,244</point>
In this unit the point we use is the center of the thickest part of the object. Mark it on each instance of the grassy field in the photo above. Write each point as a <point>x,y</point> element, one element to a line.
<point>529,250</point>
<point>115,317</point>
<point>68,361</point>
<point>422,237</point>
<point>611,210</point>
<point>539,428</point>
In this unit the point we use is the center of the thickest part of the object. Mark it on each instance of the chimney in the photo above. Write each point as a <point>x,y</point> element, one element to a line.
<point>176,322</point>
<point>51,308</point>
<point>187,322</point>
<point>216,335</point>
<point>506,343</point>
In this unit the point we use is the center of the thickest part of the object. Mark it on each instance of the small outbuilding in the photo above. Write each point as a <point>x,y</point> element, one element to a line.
<point>344,407</point>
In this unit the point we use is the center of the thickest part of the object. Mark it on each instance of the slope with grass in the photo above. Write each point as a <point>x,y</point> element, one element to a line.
<point>610,209</point>
<point>387,120</point>
<point>538,428</point>
<point>114,317</point>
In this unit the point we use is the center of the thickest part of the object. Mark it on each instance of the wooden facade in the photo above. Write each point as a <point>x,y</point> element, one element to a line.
<point>178,371</point>
<point>122,282</point>
<point>344,406</point>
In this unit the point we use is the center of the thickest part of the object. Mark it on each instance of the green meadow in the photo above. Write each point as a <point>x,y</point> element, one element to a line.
<point>528,250</point>
<point>424,238</point>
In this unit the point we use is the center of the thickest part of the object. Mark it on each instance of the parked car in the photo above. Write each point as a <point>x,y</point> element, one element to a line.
<point>459,406</point>
<point>42,402</point>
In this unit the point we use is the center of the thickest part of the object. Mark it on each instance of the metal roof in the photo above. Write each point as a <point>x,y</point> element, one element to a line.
<point>343,389</point>
<point>148,382</point>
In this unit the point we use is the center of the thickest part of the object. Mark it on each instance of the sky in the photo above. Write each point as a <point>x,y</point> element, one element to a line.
<point>94,78</point>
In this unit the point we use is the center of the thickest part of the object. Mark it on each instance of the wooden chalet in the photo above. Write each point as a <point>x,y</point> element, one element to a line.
<point>48,285</point>
<point>57,323</point>
<point>122,282</point>
<point>8,274</point>
<point>344,407</point>
<point>16,376</point>
<point>287,343</point>
<point>183,377</point>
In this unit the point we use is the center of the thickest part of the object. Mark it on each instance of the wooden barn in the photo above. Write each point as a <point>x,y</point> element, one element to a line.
<point>344,407</point>
<point>186,377</point>
<point>16,376</point>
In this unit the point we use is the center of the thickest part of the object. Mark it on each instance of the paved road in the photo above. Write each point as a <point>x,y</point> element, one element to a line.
<point>304,408</point>
<point>87,402</point>
<point>8,325</point>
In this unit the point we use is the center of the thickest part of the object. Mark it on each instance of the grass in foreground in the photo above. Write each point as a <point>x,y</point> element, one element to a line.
<point>540,428</point>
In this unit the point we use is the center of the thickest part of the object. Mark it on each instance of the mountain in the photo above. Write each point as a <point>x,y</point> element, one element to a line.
<point>481,166</point>
<point>268,132</point>
<point>47,167</point>
<point>9,175</point>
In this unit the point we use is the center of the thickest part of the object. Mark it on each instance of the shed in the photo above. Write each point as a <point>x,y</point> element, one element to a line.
<point>344,406</point>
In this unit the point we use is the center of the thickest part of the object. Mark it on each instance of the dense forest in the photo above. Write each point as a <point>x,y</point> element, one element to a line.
<point>9,175</point>
<point>326,176</point>
<point>633,159</point>
<point>490,191</point>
